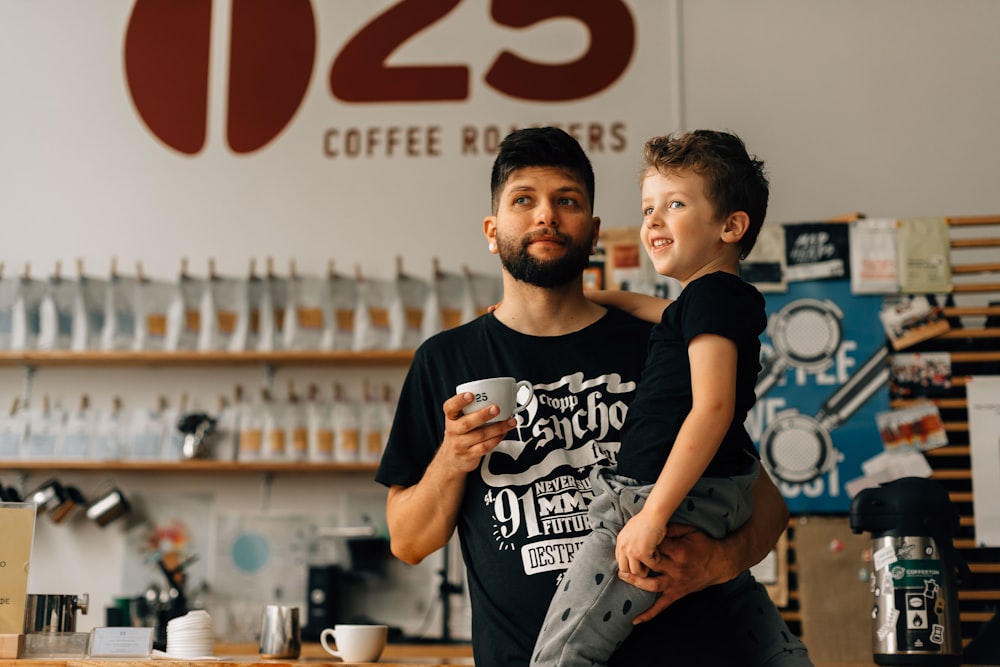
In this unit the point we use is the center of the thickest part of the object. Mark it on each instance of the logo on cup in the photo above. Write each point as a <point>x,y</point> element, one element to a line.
<point>502,392</point>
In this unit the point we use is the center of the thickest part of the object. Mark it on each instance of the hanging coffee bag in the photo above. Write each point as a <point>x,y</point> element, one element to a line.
<point>406,312</point>
<point>10,286</point>
<point>94,293</point>
<point>298,425</point>
<point>319,418</point>
<point>12,427</point>
<point>61,314</point>
<point>78,433</point>
<point>185,328</point>
<point>346,428</point>
<point>250,332</point>
<point>486,290</point>
<point>372,327</point>
<point>230,311</point>
<point>273,306</point>
<point>309,318</point>
<point>160,308</point>
<point>26,316</point>
<point>445,301</point>
<point>145,433</point>
<point>43,426</point>
<point>111,433</point>
<point>344,303</point>
<point>250,419</point>
<point>122,328</point>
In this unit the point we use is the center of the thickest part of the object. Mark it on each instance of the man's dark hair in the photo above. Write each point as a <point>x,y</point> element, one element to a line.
<point>540,147</point>
<point>734,179</point>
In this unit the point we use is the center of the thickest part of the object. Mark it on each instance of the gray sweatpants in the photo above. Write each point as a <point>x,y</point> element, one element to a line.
<point>592,610</point>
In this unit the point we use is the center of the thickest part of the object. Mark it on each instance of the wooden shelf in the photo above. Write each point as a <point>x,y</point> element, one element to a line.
<point>186,467</point>
<point>975,243</point>
<point>961,221</point>
<point>35,358</point>
<point>991,332</point>
<point>968,288</point>
<point>63,358</point>
<point>961,311</point>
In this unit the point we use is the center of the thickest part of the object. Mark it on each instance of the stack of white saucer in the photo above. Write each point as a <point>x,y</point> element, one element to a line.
<point>191,635</point>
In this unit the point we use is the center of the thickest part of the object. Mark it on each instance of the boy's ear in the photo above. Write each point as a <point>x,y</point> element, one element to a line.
<point>736,226</point>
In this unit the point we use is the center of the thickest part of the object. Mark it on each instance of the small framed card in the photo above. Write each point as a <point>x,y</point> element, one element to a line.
<point>121,642</point>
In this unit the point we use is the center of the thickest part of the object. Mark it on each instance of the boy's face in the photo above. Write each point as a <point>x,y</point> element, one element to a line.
<point>681,232</point>
<point>543,229</point>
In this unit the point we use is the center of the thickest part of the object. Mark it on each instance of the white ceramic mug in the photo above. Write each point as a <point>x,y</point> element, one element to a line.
<point>501,392</point>
<point>355,643</point>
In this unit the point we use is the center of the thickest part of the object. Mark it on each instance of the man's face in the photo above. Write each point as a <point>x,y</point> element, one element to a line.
<point>544,229</point>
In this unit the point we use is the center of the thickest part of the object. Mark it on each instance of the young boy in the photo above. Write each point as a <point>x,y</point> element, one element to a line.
<point>685,456</point>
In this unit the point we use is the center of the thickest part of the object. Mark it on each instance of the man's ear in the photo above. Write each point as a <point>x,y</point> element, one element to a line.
<point>597,235</point>
<point>736,226</point>
<point>490,230</point>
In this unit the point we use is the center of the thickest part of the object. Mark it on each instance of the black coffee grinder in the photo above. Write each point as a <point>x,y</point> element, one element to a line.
<point>325,595</point>
<point>916,571</point>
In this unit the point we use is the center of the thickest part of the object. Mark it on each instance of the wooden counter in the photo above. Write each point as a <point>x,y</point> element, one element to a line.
<point>313,655</point>
<point>245,655</point>
<point>250,661</point>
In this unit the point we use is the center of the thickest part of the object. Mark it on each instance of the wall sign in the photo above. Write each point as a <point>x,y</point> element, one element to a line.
<point>824,379</point>
<point>272,57</point>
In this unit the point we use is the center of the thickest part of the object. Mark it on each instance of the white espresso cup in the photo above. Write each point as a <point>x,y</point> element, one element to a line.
<point>355,643</point>
<point>502,392</point>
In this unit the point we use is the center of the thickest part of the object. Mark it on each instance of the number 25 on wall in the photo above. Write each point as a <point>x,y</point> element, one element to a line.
<point>273,46</point>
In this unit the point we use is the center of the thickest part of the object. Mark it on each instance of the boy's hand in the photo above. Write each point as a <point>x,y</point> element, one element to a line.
<point>637,548</point>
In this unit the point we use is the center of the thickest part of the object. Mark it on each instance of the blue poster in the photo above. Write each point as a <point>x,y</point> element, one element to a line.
<point>824,378</point>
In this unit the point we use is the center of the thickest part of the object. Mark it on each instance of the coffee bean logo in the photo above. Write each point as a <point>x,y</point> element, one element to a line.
<point>168,50</point>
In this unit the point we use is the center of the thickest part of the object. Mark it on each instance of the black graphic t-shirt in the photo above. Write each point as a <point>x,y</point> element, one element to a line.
<point>525,508</point>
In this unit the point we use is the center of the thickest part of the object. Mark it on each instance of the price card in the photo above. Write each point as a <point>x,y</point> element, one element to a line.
<point>17,525</point>
<point>121,642</point>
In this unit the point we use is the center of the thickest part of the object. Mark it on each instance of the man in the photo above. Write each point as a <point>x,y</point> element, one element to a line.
<point>517,490</point>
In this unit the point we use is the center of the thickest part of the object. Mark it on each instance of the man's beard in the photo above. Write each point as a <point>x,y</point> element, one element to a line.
<point>521,265</point>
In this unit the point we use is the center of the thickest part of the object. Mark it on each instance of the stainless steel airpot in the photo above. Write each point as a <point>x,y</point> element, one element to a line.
<point>916,571</point>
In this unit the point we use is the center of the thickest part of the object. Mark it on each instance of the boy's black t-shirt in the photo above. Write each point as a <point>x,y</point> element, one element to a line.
<point>718,303</point>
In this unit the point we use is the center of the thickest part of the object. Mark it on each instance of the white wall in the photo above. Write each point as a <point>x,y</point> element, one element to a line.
<point>889,108</point>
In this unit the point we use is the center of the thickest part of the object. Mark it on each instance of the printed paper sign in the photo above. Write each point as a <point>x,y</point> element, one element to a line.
<point>816,250</point>
<point>873,256</point>
<point>984,431</point>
